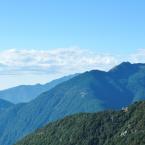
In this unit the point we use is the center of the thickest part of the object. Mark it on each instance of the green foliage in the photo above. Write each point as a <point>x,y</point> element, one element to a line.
<point>104,128</point>
<point>91,91</point>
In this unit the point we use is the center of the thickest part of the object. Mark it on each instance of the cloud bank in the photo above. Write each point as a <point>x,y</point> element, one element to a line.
<point>55,61</point>
<point>25,66</point>
<point>59,61</point>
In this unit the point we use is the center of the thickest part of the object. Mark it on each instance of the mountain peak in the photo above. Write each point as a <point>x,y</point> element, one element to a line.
<point>121,66</point>
<point>127,65</point>
<point>125,69</point>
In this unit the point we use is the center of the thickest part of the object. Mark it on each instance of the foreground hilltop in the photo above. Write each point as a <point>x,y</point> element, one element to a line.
<point>125,127</point>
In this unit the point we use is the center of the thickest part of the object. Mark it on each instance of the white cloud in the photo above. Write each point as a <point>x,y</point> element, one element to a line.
<point>55,61</point>
<point>138,56</point>
<point>25,66</point>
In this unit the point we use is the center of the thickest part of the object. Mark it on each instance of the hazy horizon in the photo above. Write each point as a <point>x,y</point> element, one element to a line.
<point>44,40</point>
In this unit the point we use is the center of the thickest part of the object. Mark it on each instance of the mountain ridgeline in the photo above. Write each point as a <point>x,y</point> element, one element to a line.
<point>125,127</point>
<point>91,91</point>
<point>26,93</point>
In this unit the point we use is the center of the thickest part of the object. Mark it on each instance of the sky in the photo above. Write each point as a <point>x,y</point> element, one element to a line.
<point>41,40</point>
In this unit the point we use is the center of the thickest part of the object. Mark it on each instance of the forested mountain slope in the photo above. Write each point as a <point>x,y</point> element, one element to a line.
<point>125,127</point>
<point>91,91</point>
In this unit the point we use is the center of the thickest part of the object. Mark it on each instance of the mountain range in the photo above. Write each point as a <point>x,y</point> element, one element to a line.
<point>26,93</point>
<point>124,127</point>
<point>91,91</point>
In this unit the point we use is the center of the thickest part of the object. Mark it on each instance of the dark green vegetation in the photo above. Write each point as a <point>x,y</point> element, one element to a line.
<point>104,128</point>
<point>26,93</point>
<point>88,92</point>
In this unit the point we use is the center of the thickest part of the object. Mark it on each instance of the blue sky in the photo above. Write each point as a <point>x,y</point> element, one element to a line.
<point>115,26</point>
<point>105,32</point>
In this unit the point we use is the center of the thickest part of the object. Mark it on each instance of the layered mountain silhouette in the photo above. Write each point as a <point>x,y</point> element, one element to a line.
<point>91,91</point>
<point>125,127</point>
<point>26,93</point>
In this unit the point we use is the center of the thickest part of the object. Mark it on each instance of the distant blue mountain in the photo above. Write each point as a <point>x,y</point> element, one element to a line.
<point>5,104</point>
<point>91,91</point>
<point>26,93</point>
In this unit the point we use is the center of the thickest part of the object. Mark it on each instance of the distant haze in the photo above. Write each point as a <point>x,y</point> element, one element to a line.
<point>23,66</point>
